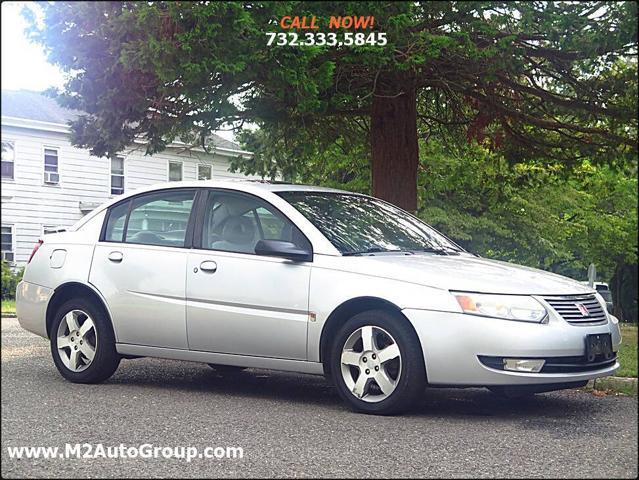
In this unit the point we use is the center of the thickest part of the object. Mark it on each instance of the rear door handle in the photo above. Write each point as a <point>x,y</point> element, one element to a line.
<point>116,257</point>
<point>208,266</point>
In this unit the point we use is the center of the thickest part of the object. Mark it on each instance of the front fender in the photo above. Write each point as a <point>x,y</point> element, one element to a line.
<point>330,288</point>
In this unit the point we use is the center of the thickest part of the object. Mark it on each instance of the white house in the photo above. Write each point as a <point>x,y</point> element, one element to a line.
<point>48,183</point>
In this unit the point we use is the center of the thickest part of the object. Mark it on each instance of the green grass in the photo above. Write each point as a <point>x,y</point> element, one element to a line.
<point>613,385</point>
<point>628,352</point>
<point>8,306</point>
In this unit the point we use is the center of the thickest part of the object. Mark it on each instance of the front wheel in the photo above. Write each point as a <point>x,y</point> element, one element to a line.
<point>82,343</point>
<point>377,363</point>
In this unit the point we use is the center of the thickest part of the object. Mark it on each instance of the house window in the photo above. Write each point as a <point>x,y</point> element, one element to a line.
<point>204,172</point>
<point>117,176</point>
<point>7,243</point>
<point>8,159</point>
<point>175,171</point>
<point>51,175</point>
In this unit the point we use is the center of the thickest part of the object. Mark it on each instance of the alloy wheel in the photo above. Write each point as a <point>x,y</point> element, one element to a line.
<point>371,364</point>
<point>76,340</point>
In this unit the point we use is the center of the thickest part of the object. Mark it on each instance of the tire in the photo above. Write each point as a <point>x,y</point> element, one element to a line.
<point>404,376</point>
<point>105,359</point>
<point>226,369</point>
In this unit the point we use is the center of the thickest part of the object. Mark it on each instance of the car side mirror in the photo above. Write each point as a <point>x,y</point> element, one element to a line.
<point>280,248</point>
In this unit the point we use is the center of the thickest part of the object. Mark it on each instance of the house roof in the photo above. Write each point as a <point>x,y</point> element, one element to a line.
<point>31,105</point>
<point>35,106</point>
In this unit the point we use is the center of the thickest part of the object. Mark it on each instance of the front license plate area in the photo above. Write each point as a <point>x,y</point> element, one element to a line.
<point>598,346</point>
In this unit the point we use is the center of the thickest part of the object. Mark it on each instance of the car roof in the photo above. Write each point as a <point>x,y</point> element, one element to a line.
<point>240,184</point>
<point>247,185</point>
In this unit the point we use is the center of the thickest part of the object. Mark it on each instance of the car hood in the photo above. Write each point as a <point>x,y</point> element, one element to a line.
<point>466,273</point>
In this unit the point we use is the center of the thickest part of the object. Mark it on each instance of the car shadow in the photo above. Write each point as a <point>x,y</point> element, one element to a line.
<point>199,377</point>
<point>314,389</point>
<point>480,402</point>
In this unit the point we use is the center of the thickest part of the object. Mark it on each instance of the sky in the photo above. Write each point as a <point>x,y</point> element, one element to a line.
<point>24,64</point>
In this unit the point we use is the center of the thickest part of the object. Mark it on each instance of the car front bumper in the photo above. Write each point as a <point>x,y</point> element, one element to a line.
<point>453,342</point>
<point>31,307</point>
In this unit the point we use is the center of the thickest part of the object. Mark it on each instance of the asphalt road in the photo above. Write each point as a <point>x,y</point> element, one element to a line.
<point>296,426</point>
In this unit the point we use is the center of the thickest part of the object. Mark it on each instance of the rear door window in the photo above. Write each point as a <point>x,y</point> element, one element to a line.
<point>115,223</point>
<point>159,218</point>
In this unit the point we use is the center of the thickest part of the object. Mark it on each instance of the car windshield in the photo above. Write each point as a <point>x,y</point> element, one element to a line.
<point>356,224</point>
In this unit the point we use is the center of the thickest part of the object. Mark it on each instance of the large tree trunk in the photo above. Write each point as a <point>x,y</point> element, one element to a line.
<point>616,284</point>
<point>624,291</point>
<point>395,152</point>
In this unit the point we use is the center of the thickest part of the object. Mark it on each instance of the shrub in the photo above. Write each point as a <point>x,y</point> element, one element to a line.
<point>10,279</point>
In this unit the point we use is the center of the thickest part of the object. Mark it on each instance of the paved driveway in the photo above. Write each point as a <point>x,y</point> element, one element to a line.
<point>295,425</point>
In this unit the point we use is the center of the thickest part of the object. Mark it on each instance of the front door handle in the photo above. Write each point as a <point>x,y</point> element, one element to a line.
<point>116,257</point>
<point>208,266</point>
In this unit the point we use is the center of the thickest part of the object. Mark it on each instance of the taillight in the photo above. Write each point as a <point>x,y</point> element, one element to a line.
<point>35,249</point>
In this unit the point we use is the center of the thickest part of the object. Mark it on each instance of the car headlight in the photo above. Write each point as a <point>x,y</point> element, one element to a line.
<point>522,308</point>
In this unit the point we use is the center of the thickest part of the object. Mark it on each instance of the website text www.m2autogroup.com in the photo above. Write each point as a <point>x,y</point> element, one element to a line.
<point>144,451</point>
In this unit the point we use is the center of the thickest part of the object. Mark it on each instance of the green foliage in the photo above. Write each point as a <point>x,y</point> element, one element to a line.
<point>536,78</point>
<point>535,103</point>
<point>536,214</point>
<point>8,307</point>
<point>10,280</point>
<point>337,158</point>
<point>530,213</point>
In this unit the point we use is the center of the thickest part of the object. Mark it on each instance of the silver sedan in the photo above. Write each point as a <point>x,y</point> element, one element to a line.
<point>306,279</point>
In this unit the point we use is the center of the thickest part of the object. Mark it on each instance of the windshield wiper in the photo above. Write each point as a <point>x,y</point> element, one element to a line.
<point>374,250</point>
<point>439,251</point>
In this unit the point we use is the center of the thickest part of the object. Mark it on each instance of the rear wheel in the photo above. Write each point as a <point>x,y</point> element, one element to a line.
<point>377,363</point>
<point>82,342</point>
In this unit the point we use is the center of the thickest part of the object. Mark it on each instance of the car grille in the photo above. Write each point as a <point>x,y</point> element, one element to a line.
<point>578,309</point>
